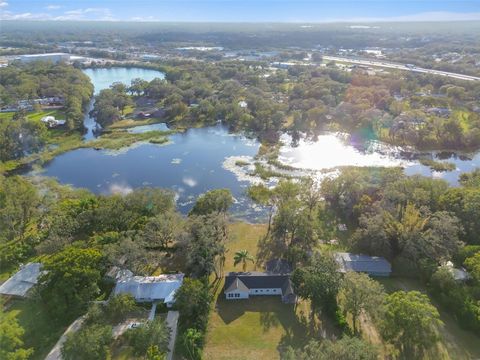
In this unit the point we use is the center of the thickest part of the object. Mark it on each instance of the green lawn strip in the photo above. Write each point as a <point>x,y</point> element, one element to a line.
<point>37,115</point>
<point>251,329</point>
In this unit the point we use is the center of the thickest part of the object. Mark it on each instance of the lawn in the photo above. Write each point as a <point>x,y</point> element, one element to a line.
<point>41,333</point>
<point>36,115</point>
<point>252,329</point>
<point>243,236</point>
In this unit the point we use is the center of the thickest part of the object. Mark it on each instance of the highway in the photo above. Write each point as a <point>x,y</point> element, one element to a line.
<point>390,65</point>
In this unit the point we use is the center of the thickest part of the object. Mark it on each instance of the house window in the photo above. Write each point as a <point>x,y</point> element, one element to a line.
<point>237,295</point>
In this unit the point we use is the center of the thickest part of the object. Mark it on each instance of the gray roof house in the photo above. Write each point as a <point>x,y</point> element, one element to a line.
<point>160,288</point>
<point>242,285</point>
<point>22,281</point>
<point>371,265</point>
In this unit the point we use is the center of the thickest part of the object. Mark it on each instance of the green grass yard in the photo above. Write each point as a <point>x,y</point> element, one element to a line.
<point>252,329</point>
<point>37,115</point>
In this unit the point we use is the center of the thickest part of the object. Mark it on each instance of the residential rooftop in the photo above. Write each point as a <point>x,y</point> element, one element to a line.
<point>373,265</point>
<point>22,281</point>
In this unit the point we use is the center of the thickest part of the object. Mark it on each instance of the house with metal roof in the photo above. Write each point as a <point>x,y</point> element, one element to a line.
<point>371,265</point>
<point>22,281</point>
<point>458,274</point>
<point>242,285</point>
<point>160,288</point>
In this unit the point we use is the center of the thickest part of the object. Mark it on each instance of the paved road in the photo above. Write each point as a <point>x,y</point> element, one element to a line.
<point>387,64</point>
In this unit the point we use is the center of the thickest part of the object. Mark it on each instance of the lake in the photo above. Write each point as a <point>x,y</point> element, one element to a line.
<point>202,159</point>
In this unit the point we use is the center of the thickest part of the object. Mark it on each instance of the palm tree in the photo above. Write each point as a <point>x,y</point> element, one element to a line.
<point>242,256</point>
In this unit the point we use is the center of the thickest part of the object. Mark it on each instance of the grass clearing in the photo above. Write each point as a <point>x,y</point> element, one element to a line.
<point>120,139</point>
<point>252,329</point>
<point>243,236</point>
<point>36,115</point>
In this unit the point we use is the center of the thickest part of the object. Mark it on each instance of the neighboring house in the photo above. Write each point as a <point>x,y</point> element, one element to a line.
<point>371,265</point>
<point>52,122</point>
<point>442,112</point>
<point>160,288</point>
<point>22,281</point>
<point>242,285</point>
<point>53,57</point>
<point>243,104</point>
<point>458,274</point>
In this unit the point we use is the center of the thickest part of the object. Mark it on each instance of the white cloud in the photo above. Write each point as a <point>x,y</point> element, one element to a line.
<point>99,14</point>
<point>52,7</point>
<point>8,15</point>
<point>121,189</point>
<point>3,4</point>
<point>144,18</point>
<point>189,181</point>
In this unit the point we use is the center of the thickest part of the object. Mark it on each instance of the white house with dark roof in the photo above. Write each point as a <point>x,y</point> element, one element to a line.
<point>22,281</point>
<point>160,288</point>
<point>371,265</point>
<point>242,285</point>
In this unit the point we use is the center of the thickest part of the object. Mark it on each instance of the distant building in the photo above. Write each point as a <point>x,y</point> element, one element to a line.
<point>22,281</point>
<point>282,65</point>
<point>243,104</point>
<point>376,52</point>
<point>150,57</point>
<point>160,288</point>
<point>242,285</point>
<point>371,265</point>
<point>52,122</point>
<point>53,57</point>
<point>443,112</point>
<point>458,274</point>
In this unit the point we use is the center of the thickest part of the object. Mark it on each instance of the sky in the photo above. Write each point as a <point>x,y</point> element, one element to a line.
<point>241,10</point>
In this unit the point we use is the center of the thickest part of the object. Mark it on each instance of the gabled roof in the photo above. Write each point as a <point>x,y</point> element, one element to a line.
<point>22,281</point>
<point>237,284</point>
<point>255,280</point>
<point>287,288</point>
<point>150,288</point>
<point>362,263</point>
<point>278,266</point>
